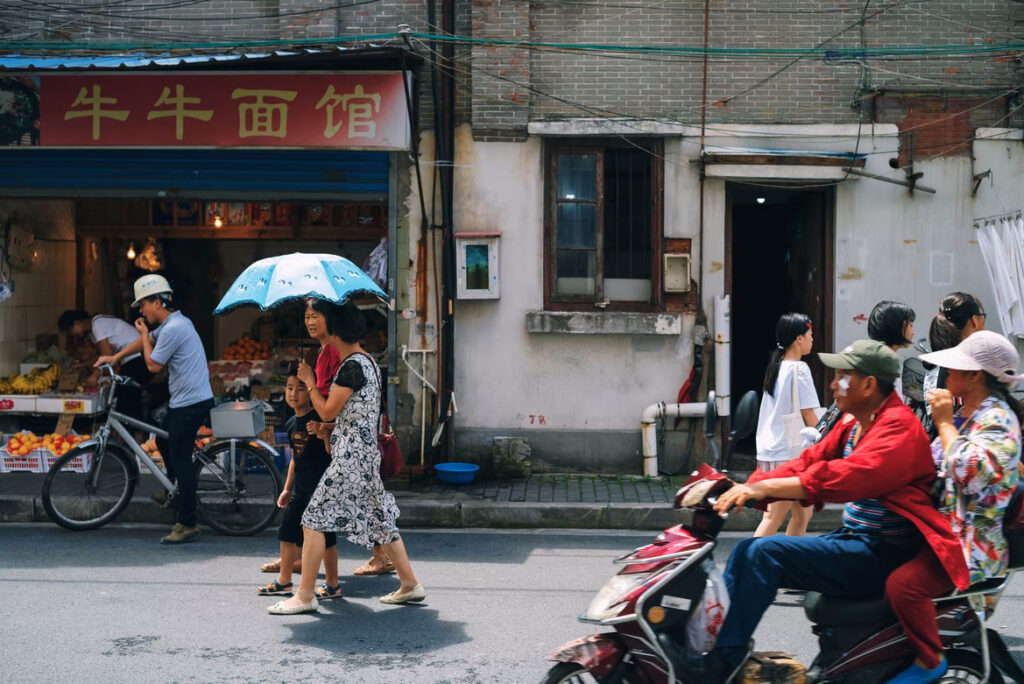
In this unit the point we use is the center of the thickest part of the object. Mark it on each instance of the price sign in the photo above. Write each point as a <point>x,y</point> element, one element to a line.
<point>68,380</point>
<point>64,424</point>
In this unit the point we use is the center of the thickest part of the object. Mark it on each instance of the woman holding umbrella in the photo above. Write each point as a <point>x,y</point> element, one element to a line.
<point>350,499</point>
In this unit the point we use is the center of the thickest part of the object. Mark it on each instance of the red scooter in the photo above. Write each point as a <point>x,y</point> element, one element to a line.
<point>648,603</point>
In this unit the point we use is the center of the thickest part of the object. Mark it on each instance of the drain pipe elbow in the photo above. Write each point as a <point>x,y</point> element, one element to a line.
<point>648,429</point>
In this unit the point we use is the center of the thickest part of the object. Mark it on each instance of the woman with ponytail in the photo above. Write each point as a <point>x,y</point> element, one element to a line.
<point>960,316</point>
<point>977,455</point>
<point>794,339</point>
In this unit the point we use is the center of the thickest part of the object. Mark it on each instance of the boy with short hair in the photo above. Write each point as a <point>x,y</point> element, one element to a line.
<point>309,461</point>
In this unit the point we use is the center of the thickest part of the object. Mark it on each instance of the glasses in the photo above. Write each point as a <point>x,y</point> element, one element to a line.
<point>983,315</point>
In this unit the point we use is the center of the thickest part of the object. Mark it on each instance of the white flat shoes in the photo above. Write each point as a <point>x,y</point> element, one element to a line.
<point>280,608</point>
<point>414,595</point>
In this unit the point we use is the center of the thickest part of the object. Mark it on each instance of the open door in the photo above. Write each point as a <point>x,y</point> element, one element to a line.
<point>779,246</point>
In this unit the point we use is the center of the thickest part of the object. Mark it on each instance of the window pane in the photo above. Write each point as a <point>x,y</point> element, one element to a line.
<point>577,176</point>
<point>627,214</point>
<point>576,270</point>
<point>577,225</point>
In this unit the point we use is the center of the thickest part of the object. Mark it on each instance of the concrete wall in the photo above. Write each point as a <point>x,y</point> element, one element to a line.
<point>578,398</point>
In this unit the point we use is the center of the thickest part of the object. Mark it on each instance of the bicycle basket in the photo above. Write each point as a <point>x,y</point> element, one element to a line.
<point>913,380</point>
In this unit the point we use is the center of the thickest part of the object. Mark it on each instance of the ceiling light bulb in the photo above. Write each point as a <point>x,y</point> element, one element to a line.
<point>131,251</point>
<point>218,221</point>
<point>760,200</point>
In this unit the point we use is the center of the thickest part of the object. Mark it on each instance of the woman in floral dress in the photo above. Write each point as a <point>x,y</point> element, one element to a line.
<point>350,499</point>
<point>977,454</point>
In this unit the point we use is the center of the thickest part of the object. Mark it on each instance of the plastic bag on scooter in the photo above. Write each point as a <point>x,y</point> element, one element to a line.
<point>709,614</point>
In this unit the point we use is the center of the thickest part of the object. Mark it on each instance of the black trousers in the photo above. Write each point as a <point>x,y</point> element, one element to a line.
<point>129,399</point>
<point>182,424</point>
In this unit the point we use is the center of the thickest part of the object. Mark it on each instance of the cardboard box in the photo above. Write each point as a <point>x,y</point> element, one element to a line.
<point>18,403</point>
<point>27,368</point>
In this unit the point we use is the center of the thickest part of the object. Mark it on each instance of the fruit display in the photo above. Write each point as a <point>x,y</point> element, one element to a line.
<point>39,380</point>
<point>50,355</point>
<point>151,449</point>
<point>204,437</point>
<point>246,349</point>
<point>24,442</point>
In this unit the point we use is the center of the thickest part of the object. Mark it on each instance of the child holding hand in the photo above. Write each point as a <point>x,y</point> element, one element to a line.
<point>309,461</point>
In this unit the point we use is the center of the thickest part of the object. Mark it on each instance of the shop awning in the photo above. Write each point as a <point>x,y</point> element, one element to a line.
<point>789,165</point>
<point>370,56</point>
<point>190,173</point>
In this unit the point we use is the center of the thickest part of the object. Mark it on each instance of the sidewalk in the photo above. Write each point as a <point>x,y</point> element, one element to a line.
<point>584,501</point>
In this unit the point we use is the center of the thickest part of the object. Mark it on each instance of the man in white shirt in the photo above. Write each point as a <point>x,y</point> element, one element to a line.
<point>110,335</point>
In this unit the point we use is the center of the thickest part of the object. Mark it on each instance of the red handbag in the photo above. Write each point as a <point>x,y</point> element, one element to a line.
<point>391,461</point>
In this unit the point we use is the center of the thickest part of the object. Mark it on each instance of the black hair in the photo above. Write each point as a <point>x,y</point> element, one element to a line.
<point>293,371</point>
<point>68,319</point>
<point>1002,390</point>
<point>885,385</point>
<point>165,298</point>
<point>960,307</point>
<point>942,334</point>
<point>345,321</point>
<point>789,327</point>
<point>887,322</point>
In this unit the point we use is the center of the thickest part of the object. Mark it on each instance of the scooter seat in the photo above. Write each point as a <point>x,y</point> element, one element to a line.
<point>840,610</point>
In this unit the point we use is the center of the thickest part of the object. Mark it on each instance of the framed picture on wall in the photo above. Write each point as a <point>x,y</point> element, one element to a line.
<point>261,213</point>
<point>477,263</point>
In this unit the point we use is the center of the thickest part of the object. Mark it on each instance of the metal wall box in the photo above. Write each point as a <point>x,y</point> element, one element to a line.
<point>478,265</point>
<point>237,419</point>
<point>676,272</point>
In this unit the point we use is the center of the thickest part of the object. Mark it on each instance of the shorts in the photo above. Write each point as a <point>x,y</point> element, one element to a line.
<point>290,529</point>
<point>769,466</point>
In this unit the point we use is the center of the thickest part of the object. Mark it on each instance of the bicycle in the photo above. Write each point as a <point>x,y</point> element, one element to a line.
<point>237,481</point>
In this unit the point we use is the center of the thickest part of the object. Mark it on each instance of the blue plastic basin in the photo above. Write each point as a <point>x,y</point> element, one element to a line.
<point>456,473</point>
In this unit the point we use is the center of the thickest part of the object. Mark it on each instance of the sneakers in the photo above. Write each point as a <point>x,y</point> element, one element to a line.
<point>181,534</point>
<point>915,674</point>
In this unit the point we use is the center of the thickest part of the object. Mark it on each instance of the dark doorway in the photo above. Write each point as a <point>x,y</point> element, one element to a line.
<point>779,245</point>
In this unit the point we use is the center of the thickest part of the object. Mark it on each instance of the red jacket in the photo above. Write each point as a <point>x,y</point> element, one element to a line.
<point>892,463</point>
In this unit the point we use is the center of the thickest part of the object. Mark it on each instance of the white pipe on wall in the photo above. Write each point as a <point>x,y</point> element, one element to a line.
<point>648,431</point>
<point>723,349</point>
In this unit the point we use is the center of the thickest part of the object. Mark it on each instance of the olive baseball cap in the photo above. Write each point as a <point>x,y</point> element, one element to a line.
<point>867,357</point>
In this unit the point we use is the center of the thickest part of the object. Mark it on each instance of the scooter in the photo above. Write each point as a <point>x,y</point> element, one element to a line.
<point>659,587</point>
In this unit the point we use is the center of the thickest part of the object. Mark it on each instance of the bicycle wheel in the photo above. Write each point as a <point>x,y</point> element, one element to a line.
<point>241,500</point>
<point>87,500</point>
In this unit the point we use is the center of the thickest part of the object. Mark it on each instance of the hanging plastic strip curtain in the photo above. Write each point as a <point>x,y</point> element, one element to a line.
<point>1001,239</point>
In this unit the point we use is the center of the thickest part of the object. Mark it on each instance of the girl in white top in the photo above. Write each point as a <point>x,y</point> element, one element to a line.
<point>794,339</point>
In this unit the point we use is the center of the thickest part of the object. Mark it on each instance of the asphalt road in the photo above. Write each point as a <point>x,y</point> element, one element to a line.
<point>115,606</point>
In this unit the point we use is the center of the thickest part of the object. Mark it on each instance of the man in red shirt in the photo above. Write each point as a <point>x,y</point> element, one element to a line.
<point>878,462</point>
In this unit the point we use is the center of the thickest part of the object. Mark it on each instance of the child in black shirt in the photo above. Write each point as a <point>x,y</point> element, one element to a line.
<point>309,461</point>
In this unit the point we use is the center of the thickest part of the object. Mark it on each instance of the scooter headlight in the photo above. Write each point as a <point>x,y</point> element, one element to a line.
<point>613,594</point>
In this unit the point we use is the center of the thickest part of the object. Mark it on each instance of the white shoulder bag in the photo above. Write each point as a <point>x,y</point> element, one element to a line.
<point>793,422</point>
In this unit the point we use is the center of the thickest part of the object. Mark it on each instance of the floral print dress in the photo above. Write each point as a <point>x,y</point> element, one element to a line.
<point>351,499</point>
<point>977,476</point>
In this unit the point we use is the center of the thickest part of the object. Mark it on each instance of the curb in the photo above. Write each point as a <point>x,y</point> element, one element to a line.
<point>419,511</point>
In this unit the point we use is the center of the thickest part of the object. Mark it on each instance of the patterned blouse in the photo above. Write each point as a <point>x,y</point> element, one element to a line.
<point>977,476</point>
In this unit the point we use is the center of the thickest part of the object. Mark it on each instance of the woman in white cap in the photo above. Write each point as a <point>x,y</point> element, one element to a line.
<point>976,453</point>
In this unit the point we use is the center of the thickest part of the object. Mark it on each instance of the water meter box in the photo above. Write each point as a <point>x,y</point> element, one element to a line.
<point>237,419</point>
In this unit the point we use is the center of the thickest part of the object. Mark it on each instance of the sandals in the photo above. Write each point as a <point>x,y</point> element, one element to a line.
<point>371,568</point>
<point>326,591</point>
<point>275,588</point>
<point>275,566</point>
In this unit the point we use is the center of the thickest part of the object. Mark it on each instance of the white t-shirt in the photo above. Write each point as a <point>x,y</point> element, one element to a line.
<point>771,433</point>
<point>115,331</point>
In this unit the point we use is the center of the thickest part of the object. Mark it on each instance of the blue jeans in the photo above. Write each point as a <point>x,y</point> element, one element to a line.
<point>839,563</point>
<point>182,424</point>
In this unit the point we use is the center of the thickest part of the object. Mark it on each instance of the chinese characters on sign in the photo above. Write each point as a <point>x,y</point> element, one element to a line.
<point>366,110</point>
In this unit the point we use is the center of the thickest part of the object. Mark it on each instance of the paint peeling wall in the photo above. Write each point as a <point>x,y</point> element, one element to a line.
<point>573,390</point>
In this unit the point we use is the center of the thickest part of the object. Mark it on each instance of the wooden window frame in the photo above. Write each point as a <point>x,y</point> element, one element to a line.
<point>553,302</point>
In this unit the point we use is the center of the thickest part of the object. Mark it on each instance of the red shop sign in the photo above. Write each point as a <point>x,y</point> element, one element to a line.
<point>339,110</point>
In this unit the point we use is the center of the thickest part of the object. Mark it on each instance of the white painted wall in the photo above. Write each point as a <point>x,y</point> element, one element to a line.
<point>885,242</point>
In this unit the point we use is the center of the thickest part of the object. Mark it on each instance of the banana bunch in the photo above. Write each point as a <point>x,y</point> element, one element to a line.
<point>36,382</point>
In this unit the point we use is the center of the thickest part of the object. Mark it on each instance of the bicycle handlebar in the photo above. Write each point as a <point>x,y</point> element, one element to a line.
<point>118,379</point>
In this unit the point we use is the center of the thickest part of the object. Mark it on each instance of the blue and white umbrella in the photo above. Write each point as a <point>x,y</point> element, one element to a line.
<point>275,280</point>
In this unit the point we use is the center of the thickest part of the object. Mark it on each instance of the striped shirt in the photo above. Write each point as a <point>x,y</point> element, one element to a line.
<point>869,515</point>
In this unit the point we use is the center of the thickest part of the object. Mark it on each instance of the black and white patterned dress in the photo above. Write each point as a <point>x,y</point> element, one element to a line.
<point>350,499</point>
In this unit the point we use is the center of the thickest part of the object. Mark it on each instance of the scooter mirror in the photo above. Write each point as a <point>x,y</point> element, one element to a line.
<point>710,416</point>
<point>745,419</point>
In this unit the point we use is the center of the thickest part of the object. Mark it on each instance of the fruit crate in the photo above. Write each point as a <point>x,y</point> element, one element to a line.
<point>32,462</point>
<point>79,464</point>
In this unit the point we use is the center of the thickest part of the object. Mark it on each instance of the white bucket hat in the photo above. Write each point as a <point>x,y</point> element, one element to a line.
<point>984,350</point>
<point>149,285</point>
